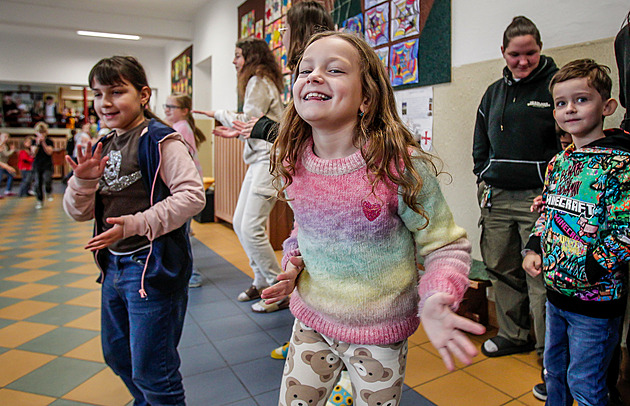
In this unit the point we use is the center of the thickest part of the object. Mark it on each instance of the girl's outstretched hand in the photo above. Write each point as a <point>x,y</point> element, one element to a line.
<point>109,237</point>
<point>286,281</point>
<point>245,129</point>
<point>89,165</point>
<point>446,329</point>
<point>225,132</point>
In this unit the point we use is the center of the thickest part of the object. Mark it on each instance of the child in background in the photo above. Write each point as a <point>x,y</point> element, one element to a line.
<point>26,156</point>
<point>583,235</point>
<point>178,110</point>
<point>43,164</point>
<point>366,200</point>
<point>140,186</point>
<point>5,153</point>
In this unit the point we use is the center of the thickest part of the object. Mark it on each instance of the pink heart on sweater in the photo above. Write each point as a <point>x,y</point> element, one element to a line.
<point>371,211</point>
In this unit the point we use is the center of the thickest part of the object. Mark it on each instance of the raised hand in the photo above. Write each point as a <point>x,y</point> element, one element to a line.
<point>89,165</point>
<point>225,132</point>
<point>446,329</point>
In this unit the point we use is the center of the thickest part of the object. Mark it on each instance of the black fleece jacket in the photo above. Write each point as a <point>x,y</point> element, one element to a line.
<point>515,133</point>
<point>622,53</point>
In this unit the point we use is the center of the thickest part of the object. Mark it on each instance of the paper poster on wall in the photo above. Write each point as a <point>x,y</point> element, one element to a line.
<point>372,3</point>
<point>415,108</point>
<point>377,25</point>
<point>286,5</point>
<point>286,89</point>
<point>405,18</point>
<point>181,72</point>
<point>383,55</point>
<point>273,10</point>
<point>259,29</point>
<point>247,25</point>
<point>404,63</point>
<point>354,24</point>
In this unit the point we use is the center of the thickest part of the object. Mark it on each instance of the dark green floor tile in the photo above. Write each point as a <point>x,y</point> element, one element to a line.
<point>57,377</point>
<point>62,266</point>
<point>8,285</point>
<point>63,255</point>
<point>60,315</point>
<point>64,402</point>
<point>62,279</point>
<point>11,258</point>
<point>2,349</point>
<point>6,322</point>
<point>59,341</point>
<point>7,301</point>
<point>62,294</point>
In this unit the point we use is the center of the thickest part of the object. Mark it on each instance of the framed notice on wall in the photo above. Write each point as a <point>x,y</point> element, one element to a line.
<point>181,73</point>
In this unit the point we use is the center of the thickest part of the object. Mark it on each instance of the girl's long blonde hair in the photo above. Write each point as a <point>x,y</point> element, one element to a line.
<point>185,102</point>
<point>387,146</point>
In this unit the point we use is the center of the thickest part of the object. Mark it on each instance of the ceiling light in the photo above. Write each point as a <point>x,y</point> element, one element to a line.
<point>109,35</point>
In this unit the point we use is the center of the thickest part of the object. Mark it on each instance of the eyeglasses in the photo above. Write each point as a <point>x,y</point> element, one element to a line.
<point>170,106</point>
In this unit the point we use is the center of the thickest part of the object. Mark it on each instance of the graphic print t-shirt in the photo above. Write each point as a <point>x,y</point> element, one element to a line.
<point>121,189</point>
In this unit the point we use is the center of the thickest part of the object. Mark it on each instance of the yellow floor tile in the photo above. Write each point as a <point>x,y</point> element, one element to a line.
<point>17,398</point>
<point>86,283</point>
<point>25,309</point>
<point>39,245</point>
<point>530,358</point>
<point>104,388</point>
<point>31,276</point>
<point>85,257</point>
<point>430,348</point>
<point>91,321</point>
<point>28,291</point>
<point>422,366</point>
<point>36,263</point>
<point>22,363</point>
<point>87,269</point>
<point>493,371</point>
<point>21,332</point>
<point>90,351</point>
<point>517,403</point>
<point>37,253</point>
<point>459,388</point>
<point>91,299</point>
<point>419,337</point>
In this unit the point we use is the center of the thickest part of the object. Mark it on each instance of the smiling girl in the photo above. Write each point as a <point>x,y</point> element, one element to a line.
<point>140,185</point>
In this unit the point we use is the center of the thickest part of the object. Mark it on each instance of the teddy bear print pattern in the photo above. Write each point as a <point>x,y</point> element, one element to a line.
<point>315,361</point>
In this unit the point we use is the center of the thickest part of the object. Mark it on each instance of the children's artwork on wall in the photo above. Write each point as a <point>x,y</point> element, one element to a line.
<point>354,24</point>
<point>404,63</point>
<point>181,73</point>
<point>247,25</point>
<point>286,88</point>
<point>286,5</point>
<point>273,10</point>
<point>405,18</point>
<point>281,57</point>
<point>259,29</point>
<point>272,34</point>
<point>377,25</point>
<point>383,55</point>
<point>372,3</point>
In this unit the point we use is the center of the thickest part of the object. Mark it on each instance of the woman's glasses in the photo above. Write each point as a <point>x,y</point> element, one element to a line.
<point>170,106</point>
<point>282,30</point>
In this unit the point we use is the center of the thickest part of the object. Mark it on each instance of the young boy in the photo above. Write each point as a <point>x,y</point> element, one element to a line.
<point>583,236</point>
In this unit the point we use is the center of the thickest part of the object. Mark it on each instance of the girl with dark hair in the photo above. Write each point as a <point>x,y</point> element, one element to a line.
<point>140,185</point>
<point>259,86</point>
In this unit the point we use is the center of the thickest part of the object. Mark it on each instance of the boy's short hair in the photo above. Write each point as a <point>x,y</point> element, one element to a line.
<point>596,75</point>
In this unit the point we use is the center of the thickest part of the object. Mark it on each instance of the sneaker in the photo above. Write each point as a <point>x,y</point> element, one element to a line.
<point>50,198</point>
<point>540,391</point>
<point>9,193</point>
<point>195,279</point>
<point>39,205</point>
<point>31,193</point>
<point>280,352</point>
<point>252,293</point>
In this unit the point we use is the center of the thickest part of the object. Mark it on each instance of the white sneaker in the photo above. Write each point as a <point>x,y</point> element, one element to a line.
<point>39,205</point>
<point>50,198</point>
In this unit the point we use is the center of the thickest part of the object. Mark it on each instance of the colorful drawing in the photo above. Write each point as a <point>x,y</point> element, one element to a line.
<point>259,29</point>
<point>273,10</point>
<point>383,55</point>
<point>405,18</point>
<point>247,25</point>
<point>372,3</point>
<point>377,25</point>
<point>286,5</point>
<point>181,72</point>
<point>286,91</point>
<point>404,63</point>
<point>354,24</point>
<point>281,57</point>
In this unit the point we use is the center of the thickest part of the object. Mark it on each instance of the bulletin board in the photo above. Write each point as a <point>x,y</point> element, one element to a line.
<point>181,73</point>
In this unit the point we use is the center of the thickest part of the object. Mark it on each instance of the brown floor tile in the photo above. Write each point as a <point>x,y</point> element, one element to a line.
<point>86,269</point>
<point>37,253</point>
<point>36,263</point>
<point>91,321</point>
<point>28,291</point>
<point>91,299</point>
<point>39,245</point>
<point>17,398</point>
<point>84,257</point>
<point>422,366</point>
<point>90,351</point>
<point>25,309</point>
<point>104,388</point>
<point>31,276</point>
<point>506,374</point>
<point>21,332</point>
<point>461,389</point>
<point>419,337</point>
<point>21,363</point>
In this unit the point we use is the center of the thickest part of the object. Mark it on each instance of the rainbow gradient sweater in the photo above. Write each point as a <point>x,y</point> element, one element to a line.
<point>360,283</point>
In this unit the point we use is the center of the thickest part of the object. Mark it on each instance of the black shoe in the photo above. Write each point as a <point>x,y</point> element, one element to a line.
<point>540,391</point>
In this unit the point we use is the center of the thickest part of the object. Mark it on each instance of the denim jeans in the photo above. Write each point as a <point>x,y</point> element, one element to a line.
<point>578,350</point>
<point>25,185</point>
<point>43,179</point>
<point>140,336</point>
<point>4,172</point>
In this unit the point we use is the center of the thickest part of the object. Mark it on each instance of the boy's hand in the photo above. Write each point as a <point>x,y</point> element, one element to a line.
<point>109,237</point>
<point>89,165</point>
<point>537,204</point>
<point>445,330</point>
<point>286,281</point>
<point>532,264</point>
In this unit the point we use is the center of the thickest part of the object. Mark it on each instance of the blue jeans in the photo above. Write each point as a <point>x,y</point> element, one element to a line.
<point>4,172</point>
<point>140,336</point>
<point>578,350</point>
<point>27,179</point>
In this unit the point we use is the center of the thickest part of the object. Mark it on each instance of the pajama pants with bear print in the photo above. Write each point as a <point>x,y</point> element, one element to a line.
<point>315,361</point>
